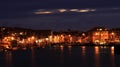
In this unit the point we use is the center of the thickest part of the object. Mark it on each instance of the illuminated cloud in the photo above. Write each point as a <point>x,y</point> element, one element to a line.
<point>87,10</point>
<point>62,10</point>
<point>44,12</point>
<point>84,10</point>
<point>52,11</point>
<point>74,10</point>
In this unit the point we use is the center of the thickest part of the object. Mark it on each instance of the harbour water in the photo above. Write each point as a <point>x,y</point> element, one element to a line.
<point>61,56</point>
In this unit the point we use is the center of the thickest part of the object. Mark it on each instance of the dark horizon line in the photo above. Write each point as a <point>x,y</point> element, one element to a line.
<point>61,29</point>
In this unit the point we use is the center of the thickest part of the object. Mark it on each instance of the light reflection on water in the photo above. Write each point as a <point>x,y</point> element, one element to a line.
<point>33,57</point>
<point>83,50</point>
<point>61,48</point>
<point>112,56</point>
<point>112,51</point>
<point>66,55</point>
<point>70,50</point>
<point>83,55</point>
<point>97,59</point>
<point>8,59</point>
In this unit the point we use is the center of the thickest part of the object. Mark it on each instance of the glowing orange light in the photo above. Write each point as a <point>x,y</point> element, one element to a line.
<point>12,38</point>
<point>96,33</point>
<point>96,50</point>
<point>61,47</point>
<point>113,33</point>
<point>46,39</point>
<point>32,37</point>
<point>83,47</point>
<point>83,50</point>
<point>112,50</point>
<point>69,35</point>
<point>69,47</point>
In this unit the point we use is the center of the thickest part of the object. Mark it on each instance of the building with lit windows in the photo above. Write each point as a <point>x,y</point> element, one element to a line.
<point>99,35</point>
<point>114,35</point>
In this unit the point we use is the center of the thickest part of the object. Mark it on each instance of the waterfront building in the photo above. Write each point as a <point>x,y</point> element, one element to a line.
<point>114,35</point>
<point>99,35</point>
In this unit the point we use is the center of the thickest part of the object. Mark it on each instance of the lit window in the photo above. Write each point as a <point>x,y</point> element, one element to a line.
<point>100,29</point>
<point>96,33</point>
<point>112,33</point>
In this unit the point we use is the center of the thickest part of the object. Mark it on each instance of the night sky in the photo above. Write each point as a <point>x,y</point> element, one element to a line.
<point>60,14</point>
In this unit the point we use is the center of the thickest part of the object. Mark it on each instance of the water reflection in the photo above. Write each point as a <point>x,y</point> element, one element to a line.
<point>62,55</point>
<point>96,50</point>
<point>8,59</point>
<point>83,56</point>
<point>69,50</point>
<point>33,57</point>
<point>112,56</point>
<point>83,50</point>
<point>84,60</point>
<point>97,59</point>
<point>112,50</point>
<point>61,48</point>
